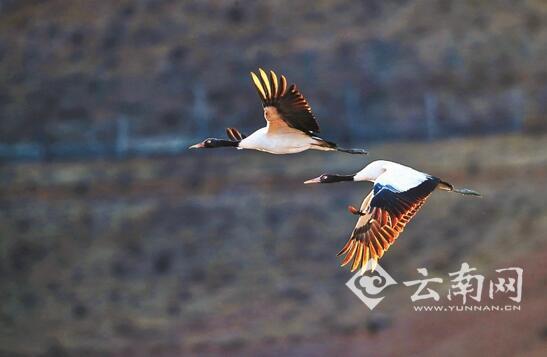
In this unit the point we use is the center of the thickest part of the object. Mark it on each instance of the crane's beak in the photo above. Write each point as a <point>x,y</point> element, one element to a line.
<point>315,180</point>
<point>197,146</point>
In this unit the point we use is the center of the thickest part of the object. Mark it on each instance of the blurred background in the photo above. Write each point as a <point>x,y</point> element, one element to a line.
<point>116,240</point>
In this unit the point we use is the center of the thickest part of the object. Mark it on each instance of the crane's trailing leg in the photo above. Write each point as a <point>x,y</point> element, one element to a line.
<point>355,211</point>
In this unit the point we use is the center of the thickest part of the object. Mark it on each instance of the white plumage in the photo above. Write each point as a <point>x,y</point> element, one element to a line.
<point>388,173</point>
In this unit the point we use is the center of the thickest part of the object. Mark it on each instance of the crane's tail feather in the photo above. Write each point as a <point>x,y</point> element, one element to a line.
<point>466,191</point>
<point>353,151</point>
<point>333,146</point>
<point>443,185</point>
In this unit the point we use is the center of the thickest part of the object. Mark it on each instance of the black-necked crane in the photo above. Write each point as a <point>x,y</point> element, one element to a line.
<point>397,194</point>
<point>290,124</point>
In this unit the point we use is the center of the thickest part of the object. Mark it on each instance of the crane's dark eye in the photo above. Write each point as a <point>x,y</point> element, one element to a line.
<point>324,177</point>
<point>208,141</point>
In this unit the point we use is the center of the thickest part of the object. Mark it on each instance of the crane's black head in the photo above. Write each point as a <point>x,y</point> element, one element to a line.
<point>214,143</point>
<point>330,178</point>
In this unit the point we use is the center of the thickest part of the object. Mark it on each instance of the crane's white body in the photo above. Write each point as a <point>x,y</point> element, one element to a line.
<point>284,141</point>
<point>387,173</point>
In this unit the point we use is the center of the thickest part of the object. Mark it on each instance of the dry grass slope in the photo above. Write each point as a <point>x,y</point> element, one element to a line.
<point>225,251</point>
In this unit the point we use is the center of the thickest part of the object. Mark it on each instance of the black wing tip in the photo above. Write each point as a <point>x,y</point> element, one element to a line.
<point>230,134</point>
<point>343,250</point>
<point>234,134</point>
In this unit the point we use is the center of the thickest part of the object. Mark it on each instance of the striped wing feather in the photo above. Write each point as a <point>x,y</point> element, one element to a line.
<point>379,227</point>
<point>283,104</point>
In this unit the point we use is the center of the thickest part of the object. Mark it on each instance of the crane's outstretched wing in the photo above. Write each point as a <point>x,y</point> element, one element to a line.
<point>283,106</point>
<point>383,216</point>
